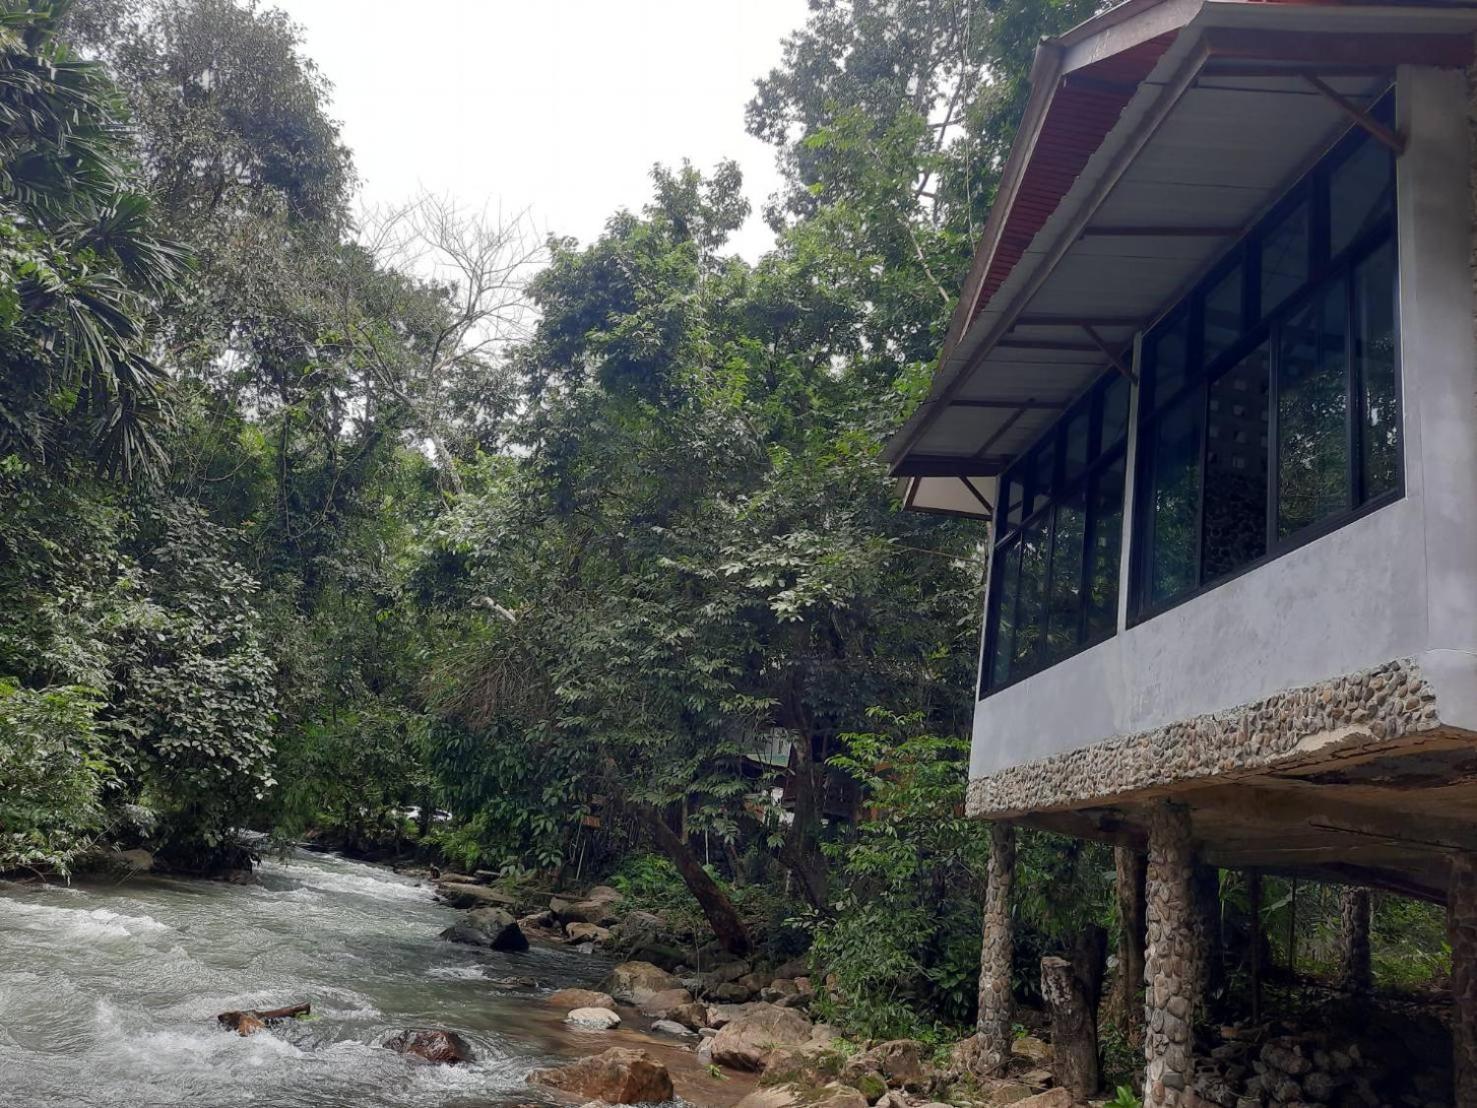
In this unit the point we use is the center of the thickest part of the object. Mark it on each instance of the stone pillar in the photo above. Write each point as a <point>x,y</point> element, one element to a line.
<point>1356,978</point>
<point>1172,960</point>
<point>1461,930</point>
<point>1132,927</point>
<point>996,955</point>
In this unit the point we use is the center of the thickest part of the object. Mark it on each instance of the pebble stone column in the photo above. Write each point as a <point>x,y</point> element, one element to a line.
<point>1356,977</point>
<point>1461,929</point>
<point>1172,959</point>
<point>996,954</point>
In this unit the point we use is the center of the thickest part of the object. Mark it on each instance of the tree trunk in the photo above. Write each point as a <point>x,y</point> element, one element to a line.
<point>1132,868</point>
<point>1073,1028</point>
<point>728,928</point>
<point>801,851</point>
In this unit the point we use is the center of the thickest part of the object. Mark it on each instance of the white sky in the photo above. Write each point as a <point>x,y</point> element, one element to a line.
<point>560,106</point>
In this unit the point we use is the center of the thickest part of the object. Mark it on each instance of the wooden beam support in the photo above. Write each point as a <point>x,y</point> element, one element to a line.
<point>1113,356</point>
<point>1079,321</point>
<point>1046,344</point>
<point>949,465</point>
<point>1026,405</point>
<point>1321,49</point>
<point>1151,231</point>
<point>1392,139</point>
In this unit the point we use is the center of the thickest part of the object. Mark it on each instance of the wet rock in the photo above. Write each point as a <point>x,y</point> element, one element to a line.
<point>747,1041</point>
<point>469,894</point>
<point>597,906</point>
<point>637,982</point>
<point>672,1027</point>
<point>581,998</point>
<point>593,1019</point>
<point>132,861</point>
<point>542,920</point>
<point>489,927</point>
<point>250,1022</point>
<point>617,1076</point>
<point>586,933</point>
<point>662,1005</point>
<point>728,972</point>
<point>777,1096</point>
<point>730,993</point>
<point>444,1047</point>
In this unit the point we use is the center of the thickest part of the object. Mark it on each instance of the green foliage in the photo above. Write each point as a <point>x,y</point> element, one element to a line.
<point>1124,1097</point>
<point>904,944</point>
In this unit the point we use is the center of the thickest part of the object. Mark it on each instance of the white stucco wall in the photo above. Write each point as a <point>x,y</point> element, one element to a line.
<point>1400,582</point>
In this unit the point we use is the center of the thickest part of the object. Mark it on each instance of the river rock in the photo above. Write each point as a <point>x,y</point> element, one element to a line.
<point>616,1076</point>
<point>637,982</point>
<point>597,906</point>
<point>446,1047</point>
<point>839,1096</point>
<point>593,1019</point>
<point>489,927</point>
<point>581,998</point>
<point>1052,1098</point>
<point>672,1027</point>
<point>664,1004</point>
<point>778,1096</point>
<point>469,894</point>
<point>132,861</point>
<point>586,933</point>
<point>747,1041</point>
<point>901,1062</point>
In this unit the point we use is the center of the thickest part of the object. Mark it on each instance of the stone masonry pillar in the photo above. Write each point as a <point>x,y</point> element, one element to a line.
<point>1172,959</point>
<point>1461,930</point>
<point>1356,977</point>
<point>996,955</point>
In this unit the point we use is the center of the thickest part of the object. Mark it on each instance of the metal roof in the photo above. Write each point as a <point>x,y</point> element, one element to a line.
<point>1155,134</point>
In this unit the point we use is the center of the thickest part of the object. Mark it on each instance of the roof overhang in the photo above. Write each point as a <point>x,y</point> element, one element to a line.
<point>1155,134</point>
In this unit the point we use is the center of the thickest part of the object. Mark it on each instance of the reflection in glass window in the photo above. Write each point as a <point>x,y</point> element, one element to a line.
<point>1285,251</point>
<point>1169,358</point>
<point>1006,571</point>
<point>1235,523</point>
<point>1360,195</point>
<point>1030,607</point>
<point>1374,364</point>
<point>1105,550</point>
<point>1174,499</point>
<point>1223,321</point>
<point>1312,414</point>
<point>1064,603</point>
<point>1115,412</point>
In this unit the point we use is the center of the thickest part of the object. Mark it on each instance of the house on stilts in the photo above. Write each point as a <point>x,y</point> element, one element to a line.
<point>1213,381</point>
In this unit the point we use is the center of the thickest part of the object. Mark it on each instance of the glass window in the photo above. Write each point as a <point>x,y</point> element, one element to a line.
<point>1285,251</point>
<point>1312,414</point>
<point>1174,499</point>
<point>1359,194</point>
<point>1006,571</point>
<point>1115,412</point>
<point>1064,616</point>
<point>1169,360</point>
<point>1041,467</point>
<point>1074,458</point>
<point>1105,550</point>
<point>1010,496</point>
<point>1223,318</point>
<point>1374,365</point>
<point>1031,596</point>
<point>1234,528</point>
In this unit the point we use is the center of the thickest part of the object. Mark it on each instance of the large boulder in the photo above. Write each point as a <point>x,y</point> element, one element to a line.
<point>777,1096</point>
<point>446,1047</point>
<point>586,933</point>
<point>747,1041</point>
<point>469,894</point>
<point>597,906</point>
<point>593,1019</point>
<point>581,998</point>
<point>616,1076</point>
<point>638,982</point>
<point>489,927</point>
<point>676,1005</point>
<point>901,1062</point>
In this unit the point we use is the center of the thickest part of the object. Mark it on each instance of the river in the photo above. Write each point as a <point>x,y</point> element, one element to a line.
<point>109,992</point>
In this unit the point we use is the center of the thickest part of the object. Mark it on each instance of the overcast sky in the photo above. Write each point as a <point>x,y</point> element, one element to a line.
<point>561,106</point>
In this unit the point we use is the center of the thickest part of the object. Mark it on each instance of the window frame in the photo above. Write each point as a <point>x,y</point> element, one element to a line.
<point>1022,471</point>
<point>1325,272</point>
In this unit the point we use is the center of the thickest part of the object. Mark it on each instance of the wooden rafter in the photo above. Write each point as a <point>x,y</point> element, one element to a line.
<point>1392,139</point>
<point>1113,356</point>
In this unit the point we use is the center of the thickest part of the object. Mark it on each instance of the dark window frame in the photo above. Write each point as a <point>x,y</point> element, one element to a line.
<point>1023,472</point>
<point>1325,273</point>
